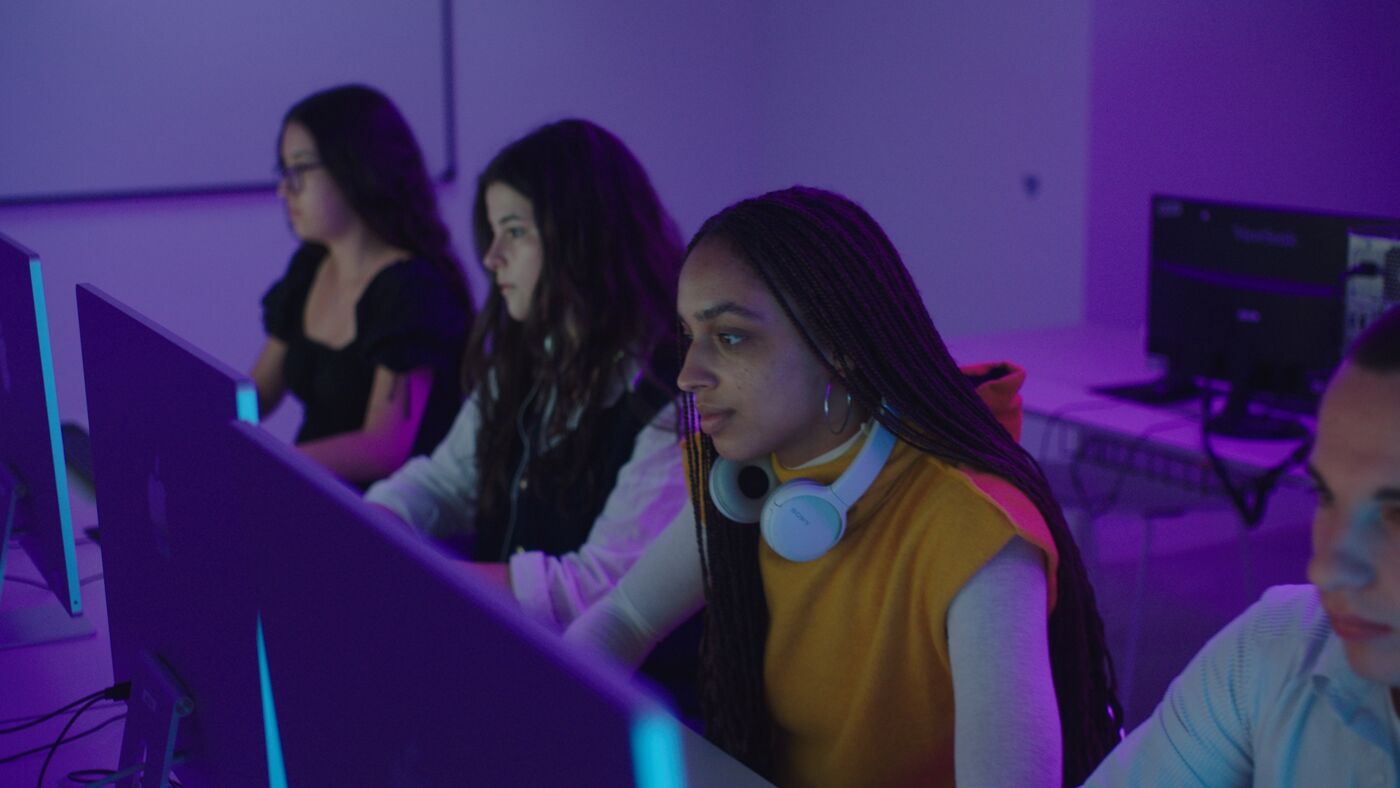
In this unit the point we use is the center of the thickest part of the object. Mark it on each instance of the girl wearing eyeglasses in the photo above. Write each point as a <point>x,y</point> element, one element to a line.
<point>366,327</point>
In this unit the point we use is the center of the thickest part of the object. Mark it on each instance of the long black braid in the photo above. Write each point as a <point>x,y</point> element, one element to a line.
<point>842,284</point>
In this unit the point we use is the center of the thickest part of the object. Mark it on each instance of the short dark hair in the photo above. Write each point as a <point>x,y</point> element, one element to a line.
<point>1378,347</point>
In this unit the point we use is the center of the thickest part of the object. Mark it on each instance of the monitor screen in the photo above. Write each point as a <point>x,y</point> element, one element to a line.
<point>1249,295</point>
<point>33,480</point>
<point>155,404</point>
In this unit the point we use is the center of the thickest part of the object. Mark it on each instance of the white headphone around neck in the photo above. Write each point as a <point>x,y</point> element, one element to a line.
<point>802,519</point>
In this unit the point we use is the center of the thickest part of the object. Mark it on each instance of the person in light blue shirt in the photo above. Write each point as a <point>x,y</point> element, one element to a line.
<point>1303,689</point>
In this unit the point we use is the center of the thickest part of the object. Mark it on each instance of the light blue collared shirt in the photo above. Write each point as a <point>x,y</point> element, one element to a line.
<point>1270,700</point>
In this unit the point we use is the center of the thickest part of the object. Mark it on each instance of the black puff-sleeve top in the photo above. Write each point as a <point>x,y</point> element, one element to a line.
<point>408,317</point>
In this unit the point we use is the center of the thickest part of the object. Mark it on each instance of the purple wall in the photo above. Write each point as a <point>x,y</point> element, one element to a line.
<point>1284,103</point>
<point>931,116</point>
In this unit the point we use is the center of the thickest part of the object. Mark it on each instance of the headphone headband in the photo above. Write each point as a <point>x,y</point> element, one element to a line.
<point>865,467</point>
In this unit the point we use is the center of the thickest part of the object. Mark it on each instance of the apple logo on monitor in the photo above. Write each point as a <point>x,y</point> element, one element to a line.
<point>155,503</point>
<point>4,364</point>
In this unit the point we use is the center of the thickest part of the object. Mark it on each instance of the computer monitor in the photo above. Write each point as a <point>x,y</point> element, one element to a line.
<point>279,631</point>
<point>1373,276</point>
<point>1251,296</point>
<point>155,406</point>
<point>387,665</point>
<point>33,480</point>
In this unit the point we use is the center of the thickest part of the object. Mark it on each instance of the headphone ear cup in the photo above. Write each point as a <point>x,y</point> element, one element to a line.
<point>740,488</point>
<point>801,521</point>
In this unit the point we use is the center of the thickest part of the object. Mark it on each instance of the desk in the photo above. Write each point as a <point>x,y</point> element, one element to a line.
<point>1063,364</point>
<point>39,679</point>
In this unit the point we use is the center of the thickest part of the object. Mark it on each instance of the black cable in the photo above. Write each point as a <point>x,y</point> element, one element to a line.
<point>1251,498</point>
<point>117,692</point>
<point>42,718</point>
<point>53,748</point>
<point>28,718</point>
<point>36,750</point>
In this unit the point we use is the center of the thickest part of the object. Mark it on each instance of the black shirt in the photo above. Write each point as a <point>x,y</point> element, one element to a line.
<point>407,317</point>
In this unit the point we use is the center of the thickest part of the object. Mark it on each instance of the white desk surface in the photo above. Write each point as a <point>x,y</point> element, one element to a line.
<point>39,679</point>
<point>1062,364</point>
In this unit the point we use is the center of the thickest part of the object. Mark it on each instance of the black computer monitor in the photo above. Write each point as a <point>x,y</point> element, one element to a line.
<point>155,406</point>
<point>33,480</point>
<point>1250,296</point>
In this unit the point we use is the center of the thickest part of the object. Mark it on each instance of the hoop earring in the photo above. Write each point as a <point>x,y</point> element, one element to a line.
<point>826,410</point>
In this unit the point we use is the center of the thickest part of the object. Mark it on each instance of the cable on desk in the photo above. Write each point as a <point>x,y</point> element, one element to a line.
<point>53,748</point>
<point>36,750</point>
<point>35,718</point>
<point>118,692</point>
<point>1250,497</point>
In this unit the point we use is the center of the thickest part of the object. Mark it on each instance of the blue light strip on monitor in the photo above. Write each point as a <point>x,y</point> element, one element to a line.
<point>247,398</point>
<point>276,766</point>
<point>60,470</point>
<point>656,751</point>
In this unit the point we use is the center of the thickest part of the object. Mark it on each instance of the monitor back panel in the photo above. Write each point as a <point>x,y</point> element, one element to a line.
<point>388,666</point>
<point>29,434</point>
<point>175,588</point>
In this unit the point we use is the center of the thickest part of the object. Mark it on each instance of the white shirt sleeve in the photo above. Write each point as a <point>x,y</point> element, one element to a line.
<point>437,494</point>
<point>1199,735</point>
<point>649,492</point>
<point>1007,723</point>
<point>663,589</point>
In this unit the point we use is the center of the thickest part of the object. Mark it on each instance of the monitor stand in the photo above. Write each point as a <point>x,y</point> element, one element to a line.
<point>1235,421</point>
<point>157,704</point>
<point>29,626</point>
<point>1166,390</point>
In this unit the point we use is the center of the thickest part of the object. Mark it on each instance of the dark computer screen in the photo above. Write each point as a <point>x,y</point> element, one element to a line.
<point>1248,295</point>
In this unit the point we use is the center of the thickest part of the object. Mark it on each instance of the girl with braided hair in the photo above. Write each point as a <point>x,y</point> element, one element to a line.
<point>950,634</point>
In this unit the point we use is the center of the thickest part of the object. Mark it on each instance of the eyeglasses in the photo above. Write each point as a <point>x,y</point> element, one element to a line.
<point>291,176</point>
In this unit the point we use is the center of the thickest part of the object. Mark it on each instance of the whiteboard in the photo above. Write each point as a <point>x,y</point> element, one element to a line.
<point>140,97</point>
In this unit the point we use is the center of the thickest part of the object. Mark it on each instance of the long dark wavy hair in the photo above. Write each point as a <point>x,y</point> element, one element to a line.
<point>606,293</point>
<point>843,285</point>
<point>369,151</point>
